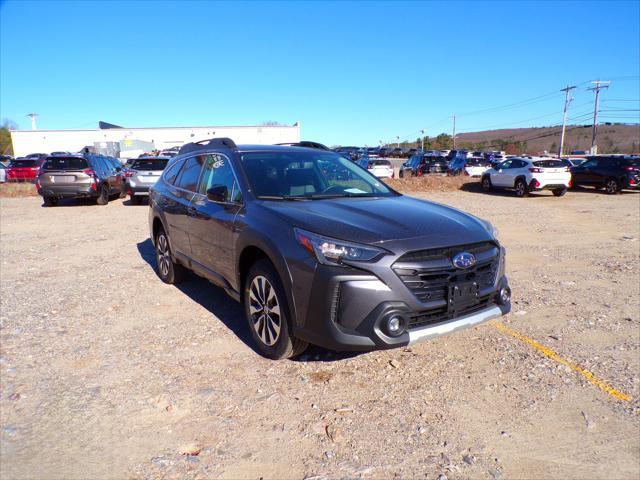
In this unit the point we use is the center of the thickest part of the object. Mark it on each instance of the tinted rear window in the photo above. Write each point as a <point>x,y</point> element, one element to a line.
<point>380,162</point>
<point>152,164</point>
<point>632,162</point>
<point>65,163</point>
<point>23,163</point>
<point>549,164</point>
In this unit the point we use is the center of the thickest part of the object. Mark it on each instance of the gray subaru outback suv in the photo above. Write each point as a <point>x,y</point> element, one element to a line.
<point>320,251</point>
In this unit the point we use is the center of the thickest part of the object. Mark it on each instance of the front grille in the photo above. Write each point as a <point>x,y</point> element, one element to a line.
<point>430,273</point>
<point>438,315</point>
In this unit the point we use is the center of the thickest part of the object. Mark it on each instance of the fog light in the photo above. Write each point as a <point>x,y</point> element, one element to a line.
<point>394,325</point>
<point>505,295</point>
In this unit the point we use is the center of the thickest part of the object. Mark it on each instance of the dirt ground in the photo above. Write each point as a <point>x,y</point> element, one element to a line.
<point>106,372</point>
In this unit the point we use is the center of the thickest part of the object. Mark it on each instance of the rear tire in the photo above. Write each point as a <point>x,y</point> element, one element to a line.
<point>103,198</point>
<point>611,186</point>
<point>50,201</point>
<point>168,271</point>
<point>267,312</point>
<point>521,188</point>
<point>486,184</point>
<point>559,192</point>
<point>136,199</point>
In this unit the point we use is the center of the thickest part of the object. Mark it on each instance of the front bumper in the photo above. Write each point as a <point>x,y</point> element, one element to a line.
<point>347,309</point>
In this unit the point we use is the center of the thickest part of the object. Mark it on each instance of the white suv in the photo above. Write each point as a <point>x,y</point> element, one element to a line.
<point>525,175</point>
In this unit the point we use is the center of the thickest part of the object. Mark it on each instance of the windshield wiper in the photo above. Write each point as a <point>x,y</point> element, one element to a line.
<point>282,197</point>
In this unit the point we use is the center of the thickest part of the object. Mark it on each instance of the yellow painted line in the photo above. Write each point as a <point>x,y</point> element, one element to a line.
<point>547,352</point>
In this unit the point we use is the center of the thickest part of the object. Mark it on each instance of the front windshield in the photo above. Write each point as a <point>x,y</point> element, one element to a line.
<point>313,175</point>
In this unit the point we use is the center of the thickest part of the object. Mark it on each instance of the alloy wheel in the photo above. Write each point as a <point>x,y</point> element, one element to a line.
<point>163,255</point>
<point>264,309</point>
<point>612,186</point>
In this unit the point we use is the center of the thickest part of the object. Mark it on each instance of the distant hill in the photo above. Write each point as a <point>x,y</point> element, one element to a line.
<point>610,139</point>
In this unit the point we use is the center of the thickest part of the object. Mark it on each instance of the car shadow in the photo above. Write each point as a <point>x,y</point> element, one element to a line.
<point>476,187</point>
<point>129,203</point>
<point>230,312</point>
<point>78,202</point>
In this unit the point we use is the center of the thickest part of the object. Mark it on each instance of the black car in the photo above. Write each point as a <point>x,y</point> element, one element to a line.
<point>335,259</point>
<point>80,176</point>
<point>385,152</point>
<point>437,164</point>
<point>613,173</point>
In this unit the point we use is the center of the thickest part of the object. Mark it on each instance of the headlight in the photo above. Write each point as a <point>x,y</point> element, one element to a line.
<point>330,251</point>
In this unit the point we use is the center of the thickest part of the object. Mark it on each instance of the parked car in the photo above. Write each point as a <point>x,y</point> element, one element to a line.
<point>347,265</point>
<point>574,161</point>
<point>476,166</point>
<point>525,175</point>
<point>24,169</point>
<point>5,160</point>
<point>3,173</point>
<point>395,153</point>
<point>453,154</point>
<point>373,152</point>
<point>416,166</point>
<point>80,176</point>
<point>379,167</point>
<point>437,164</point>
<point>141,176</point>
<point>37,156</point>
<point>613,173</point>
<point>457,166</point>
<point>385,152</point>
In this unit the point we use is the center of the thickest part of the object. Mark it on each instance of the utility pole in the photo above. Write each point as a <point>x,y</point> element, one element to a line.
<point>598,85</point>
<point>398,141</point>
<point>454,132</point>
<point>422,140</point>
<point>33,116</point>
<point>564,118</point>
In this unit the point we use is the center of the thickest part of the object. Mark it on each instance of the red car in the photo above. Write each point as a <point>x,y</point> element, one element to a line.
<point>24,169</point>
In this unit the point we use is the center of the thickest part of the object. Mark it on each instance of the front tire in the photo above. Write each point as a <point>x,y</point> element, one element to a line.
<point>521,188</point>
<point>168,271</point>
<point>50,201</point>
<point>486,184</point>
<point>267,312</point>
<point>611,186</point>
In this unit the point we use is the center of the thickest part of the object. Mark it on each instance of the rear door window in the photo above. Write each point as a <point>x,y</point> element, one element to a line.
<point>190,173</point>
<point>172,172</point>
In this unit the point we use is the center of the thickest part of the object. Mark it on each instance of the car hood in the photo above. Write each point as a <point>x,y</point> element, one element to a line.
<point>382,219</point>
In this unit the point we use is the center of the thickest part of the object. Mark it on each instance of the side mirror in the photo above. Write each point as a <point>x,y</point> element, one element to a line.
<point>118,169</point>
<point>218,193</point>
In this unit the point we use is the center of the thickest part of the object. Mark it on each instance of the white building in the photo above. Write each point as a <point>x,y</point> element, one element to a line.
<point>47,141</point>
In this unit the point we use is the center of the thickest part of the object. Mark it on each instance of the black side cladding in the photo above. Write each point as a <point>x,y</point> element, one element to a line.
<point>204,144</point>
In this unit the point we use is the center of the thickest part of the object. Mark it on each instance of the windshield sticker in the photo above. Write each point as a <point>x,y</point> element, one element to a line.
<point>354,190</point>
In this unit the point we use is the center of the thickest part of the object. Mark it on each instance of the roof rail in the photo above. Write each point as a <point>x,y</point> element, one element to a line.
<point>203,144</point>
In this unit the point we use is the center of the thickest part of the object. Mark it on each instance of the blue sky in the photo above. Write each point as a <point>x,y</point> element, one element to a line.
<point>351,73</point>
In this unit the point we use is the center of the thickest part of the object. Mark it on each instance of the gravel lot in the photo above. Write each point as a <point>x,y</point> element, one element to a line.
<point>105,372</point>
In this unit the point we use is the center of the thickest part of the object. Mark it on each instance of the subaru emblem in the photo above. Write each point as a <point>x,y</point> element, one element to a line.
<point>464,260</point>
